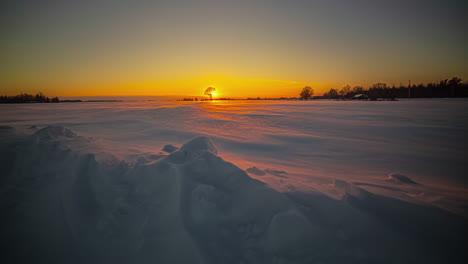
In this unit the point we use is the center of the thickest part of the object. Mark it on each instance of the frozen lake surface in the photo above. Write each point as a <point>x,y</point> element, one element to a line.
<point>268,181</point>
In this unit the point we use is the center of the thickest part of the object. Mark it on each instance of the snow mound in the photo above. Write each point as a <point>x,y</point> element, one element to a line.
<point>64,205</point>
<point>347,190</point>
<point>54,132</point>
<point>169,148</point>
<point>277,173</point>
<point>290,233</point>
<point>259,172</point>
<point>400,179</point>
<point>200,143</point>
<point>255,171</point>
<point>192,206</point>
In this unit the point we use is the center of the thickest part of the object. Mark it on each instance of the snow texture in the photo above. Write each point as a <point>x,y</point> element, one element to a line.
<point>67,196</point>
<point>169,148</point>
<point>256,171</point>
<point>399,178</point>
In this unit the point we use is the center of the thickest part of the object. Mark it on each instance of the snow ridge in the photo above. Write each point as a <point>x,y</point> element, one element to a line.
<point>62,204</point>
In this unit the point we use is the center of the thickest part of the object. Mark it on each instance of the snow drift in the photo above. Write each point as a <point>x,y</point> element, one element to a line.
<point>65,200</point>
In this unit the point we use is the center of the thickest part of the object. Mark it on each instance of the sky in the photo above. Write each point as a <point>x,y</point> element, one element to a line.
<point>242,48</point>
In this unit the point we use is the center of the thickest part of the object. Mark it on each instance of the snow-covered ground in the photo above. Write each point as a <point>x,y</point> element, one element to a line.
<point>235,182</point>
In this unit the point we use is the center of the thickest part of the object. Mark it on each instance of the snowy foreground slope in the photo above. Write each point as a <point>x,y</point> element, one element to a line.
<point>65,199</point>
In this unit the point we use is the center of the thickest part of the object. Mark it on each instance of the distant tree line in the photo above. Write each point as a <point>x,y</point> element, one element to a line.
<point>27,98</point>
<point>188,99</point>
<point>268,98</point>
<point>454,87</point>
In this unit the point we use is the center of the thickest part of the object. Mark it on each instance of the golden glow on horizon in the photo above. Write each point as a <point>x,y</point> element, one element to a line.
<point>231,87</point>
<point>246,49</point>
<point>226,87</point>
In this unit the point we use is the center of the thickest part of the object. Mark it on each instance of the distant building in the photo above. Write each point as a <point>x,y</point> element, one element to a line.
<point>360,97</point>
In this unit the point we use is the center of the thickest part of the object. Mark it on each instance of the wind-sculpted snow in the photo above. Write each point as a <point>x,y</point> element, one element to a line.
<point>399,178</point>
<point>169,148</point>
<point>64,200</point>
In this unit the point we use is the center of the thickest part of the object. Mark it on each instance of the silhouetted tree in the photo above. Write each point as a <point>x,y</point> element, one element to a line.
<point>345,91</point>
<point>332,94</point>
<point>358,90</point>
<point>306,93</point>
<point>453,84</point>
<point>209,91</point>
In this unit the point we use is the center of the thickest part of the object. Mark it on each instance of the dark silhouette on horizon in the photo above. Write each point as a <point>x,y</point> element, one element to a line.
<point>454,87</point>
<point>306,93</point>
<point>27,98</point>
<point>209,91</point>
<point>448,88</point>
<point>24,98</point>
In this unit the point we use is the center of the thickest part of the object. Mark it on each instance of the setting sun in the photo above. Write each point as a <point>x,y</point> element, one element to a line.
<point>222,131</point>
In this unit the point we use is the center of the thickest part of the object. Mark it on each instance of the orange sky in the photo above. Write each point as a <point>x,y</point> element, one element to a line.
<point>91,48</point>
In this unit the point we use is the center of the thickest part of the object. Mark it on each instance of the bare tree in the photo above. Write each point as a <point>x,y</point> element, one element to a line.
<point>210,91</point>
<point>332,94</point>
<point>344,92</point>
<point>306,93</point>
<point>358,90</point>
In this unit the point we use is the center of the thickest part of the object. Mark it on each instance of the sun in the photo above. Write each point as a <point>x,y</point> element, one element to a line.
<point>213,93</point>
